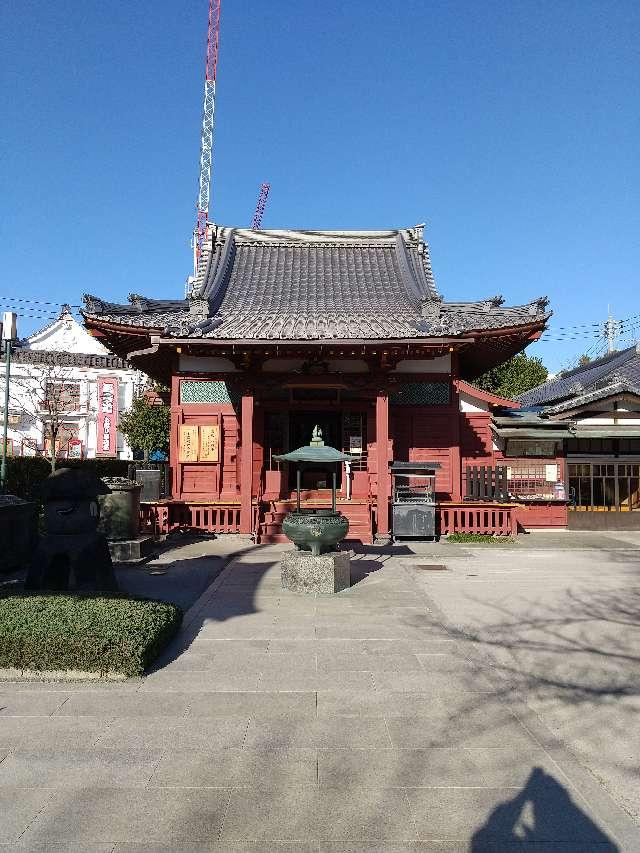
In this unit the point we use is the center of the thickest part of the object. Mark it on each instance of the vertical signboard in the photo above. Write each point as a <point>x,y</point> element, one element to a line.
<point>209,443</point>
<point>107,416</point>
<point>188,449</point>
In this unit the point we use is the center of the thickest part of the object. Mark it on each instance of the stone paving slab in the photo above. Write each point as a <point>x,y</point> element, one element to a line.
<point>103,814</point>
<point>174,733</point>
<point>359,723</point>
<point>306,812</point>
<point>75,768</point>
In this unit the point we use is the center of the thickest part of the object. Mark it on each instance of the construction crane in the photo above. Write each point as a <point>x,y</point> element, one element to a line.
<point>206,139</point>
<point>260,206</point>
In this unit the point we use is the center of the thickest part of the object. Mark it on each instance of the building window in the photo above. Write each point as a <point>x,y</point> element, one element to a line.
<point>604,486</point>
<point>520,447</point>
<point>532,480</point>
<point>206,391</point>
<point>62,397</point>
<point>421,394</point>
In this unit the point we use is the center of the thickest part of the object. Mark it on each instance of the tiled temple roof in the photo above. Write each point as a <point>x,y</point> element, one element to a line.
<point>602,393</point>
<point>315,285</point>
<point>617,367</point>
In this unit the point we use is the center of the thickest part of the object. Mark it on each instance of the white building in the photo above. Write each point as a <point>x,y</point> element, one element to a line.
<point>61,371</point>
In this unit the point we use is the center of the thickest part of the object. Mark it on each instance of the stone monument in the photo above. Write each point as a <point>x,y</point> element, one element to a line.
<point>315,566</point>
<point>120,521</point>
<point>72,554</point>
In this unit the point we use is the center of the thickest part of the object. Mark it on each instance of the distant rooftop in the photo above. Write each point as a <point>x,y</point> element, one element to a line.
<point>620,369</point>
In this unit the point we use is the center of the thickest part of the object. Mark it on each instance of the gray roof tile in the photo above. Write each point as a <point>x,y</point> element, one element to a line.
<point>617,366</point>
<point>311,285</point>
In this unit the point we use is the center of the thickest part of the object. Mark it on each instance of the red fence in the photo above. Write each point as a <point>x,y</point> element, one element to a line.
<point>464,517</point>
<point>161,518</point>
<point>497,519</point>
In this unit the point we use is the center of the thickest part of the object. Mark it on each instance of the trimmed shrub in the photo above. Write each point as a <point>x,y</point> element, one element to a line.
<point>102,633</point>
<point>480,539</point>
<point>25,474</point>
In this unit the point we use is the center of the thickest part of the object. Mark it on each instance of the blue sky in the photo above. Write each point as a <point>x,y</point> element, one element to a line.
<point>511,128</point>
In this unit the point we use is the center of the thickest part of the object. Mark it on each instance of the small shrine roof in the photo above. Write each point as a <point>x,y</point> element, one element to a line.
<point>319,453</point>
<point>256,285</point>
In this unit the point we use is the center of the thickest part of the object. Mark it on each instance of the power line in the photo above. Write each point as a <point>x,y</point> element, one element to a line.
<point>35,301</point>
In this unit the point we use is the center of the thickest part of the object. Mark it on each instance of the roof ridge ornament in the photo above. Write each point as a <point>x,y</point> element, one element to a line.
<point>138,302</point>
<point>493,302</point>
<point>539,305</point>
<point>92,304</point>
<point>417,233</point>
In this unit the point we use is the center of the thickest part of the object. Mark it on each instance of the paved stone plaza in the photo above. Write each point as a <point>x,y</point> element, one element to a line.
<point>454,700</point>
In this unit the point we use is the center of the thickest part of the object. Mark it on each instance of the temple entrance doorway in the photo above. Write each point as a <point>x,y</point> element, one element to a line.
<point>301,425</point>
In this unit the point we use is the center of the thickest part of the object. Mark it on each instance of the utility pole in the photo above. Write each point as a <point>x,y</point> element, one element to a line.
<point>8,334</point>
<point>611,331</point>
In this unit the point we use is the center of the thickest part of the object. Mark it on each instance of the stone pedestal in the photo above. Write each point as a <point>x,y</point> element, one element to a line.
<point>72,561</point>
<point>327,573</point>
<point>131,550</point>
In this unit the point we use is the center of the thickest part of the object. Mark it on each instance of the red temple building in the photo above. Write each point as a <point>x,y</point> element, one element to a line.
<point>283,331</point>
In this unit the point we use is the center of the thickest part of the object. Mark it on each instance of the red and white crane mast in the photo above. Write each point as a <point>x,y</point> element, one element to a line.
<point>260,206</point>
<point>206,139</point>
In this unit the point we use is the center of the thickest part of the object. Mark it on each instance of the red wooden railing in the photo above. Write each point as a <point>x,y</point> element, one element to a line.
<point>167,516</point>
<point>464,517</point>
<point>497,519</point>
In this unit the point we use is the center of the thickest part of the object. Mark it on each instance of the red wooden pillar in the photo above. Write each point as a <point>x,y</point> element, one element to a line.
<point>176,419</point>
<point>382,453</point>
<point>456,449</point>
<point>246,464</point>
<point>456,453</point>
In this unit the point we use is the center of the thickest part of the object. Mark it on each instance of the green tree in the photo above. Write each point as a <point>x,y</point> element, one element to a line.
<point>513,377</point>
<point>584,359</point>
<point>146,426</point>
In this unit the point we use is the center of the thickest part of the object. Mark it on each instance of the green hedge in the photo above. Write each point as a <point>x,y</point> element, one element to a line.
<point>93,633</point>
<point>481,539</point>
<point>25,474</point>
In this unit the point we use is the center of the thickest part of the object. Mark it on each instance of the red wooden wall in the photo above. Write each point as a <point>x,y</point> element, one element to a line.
<point>476,441</point>
<point>422,434</point>
<point>206,480</point>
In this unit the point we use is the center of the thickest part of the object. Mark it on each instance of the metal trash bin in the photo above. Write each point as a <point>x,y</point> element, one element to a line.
<point>414,505</point>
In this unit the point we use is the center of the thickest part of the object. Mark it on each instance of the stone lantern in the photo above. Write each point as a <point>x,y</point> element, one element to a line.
<point>315,530</point>
<point>73,554</point>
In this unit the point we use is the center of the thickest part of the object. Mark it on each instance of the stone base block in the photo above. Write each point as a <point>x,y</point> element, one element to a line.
<point>131,550</point>
<point>328,573</point>
<point>71,561</point>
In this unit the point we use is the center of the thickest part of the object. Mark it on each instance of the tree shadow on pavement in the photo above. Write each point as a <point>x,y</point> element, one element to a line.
<point>586,647</point>
<point>542,812</point>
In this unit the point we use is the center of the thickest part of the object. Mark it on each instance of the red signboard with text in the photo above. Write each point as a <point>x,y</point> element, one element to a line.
<point>107,416</point>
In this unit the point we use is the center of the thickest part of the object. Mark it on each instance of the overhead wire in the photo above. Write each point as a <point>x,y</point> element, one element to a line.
<point>35,301</point>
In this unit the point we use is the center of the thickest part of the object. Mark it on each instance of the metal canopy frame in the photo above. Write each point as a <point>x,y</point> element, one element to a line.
<point>310,454</point>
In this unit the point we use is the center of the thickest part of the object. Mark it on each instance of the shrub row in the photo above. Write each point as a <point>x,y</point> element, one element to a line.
<point>102,633</point>
<point>481,538</point>
<point>25,474</point>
